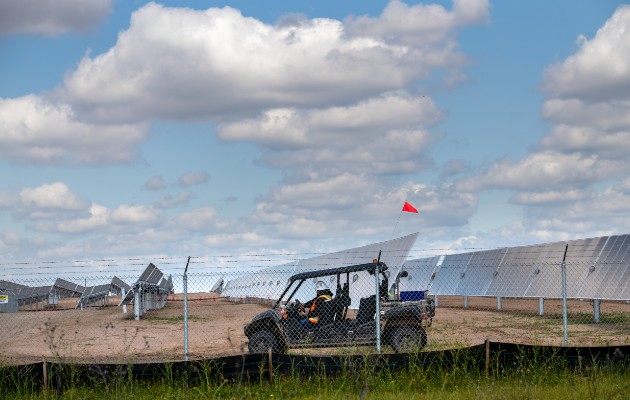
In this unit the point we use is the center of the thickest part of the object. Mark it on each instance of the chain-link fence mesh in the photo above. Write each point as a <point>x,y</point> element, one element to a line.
<point>427,304</point>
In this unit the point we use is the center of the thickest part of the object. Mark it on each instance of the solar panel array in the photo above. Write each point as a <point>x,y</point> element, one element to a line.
<point>50,294</point>
<point>270,282</point>
<point>93,295</point>
<point>150,291</point>
<point>597,268</point>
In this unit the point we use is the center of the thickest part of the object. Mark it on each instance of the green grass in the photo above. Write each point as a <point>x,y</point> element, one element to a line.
<point>533,376</point>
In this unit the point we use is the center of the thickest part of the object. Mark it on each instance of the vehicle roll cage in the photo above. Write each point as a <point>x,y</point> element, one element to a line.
<point>301,277</point>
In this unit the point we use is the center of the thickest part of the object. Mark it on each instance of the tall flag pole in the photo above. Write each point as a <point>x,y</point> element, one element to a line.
<point>407,207</point>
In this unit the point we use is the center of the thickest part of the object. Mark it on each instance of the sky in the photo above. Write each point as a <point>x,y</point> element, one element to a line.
<point>139,130</point>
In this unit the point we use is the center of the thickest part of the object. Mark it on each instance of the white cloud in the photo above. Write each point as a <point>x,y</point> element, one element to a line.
<point>169,201</point>
<point>545,169</point>
<point>53,196</point>
<point>197,220</point>
<point>134,214</point>
<point>98,219</point>
<point>385,134</point>
<point>550,197</point>
<point>568,138</point>
<point>420,24</point>
<point>244,239</point>
<point>11,238</point>
<point>608,116</point>
<point>193,178</point>
<point>182,63</point>
<point>155,183</point>
<point>6,199</point>
<point>601,128</point>
<point>359,205</point>
<point>51,17</point>
<point>601,67</point>
<point>34,130</point>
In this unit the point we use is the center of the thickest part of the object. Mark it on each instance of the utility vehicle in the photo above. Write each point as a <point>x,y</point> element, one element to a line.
<point>402,323</point>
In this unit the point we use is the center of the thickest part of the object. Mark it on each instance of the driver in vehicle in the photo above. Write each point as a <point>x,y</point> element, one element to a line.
<point>313,308</point>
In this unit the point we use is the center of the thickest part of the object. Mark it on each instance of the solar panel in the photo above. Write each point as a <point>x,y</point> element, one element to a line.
<point>151,275</point>
<point>479,272</point>
<point>166,284</point>
<point>93,294</point>
<point>512,277</point>
<point>71,289</point>
<point>450,273</point>
<point>6,285</point>
<point>118,284</point>
<point>611,271</point>
<point>218,286</point>
<point>271,281</point>
<point>420,274</point>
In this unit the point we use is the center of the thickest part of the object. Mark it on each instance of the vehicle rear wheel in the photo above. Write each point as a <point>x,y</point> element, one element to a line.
<point>263,340</point>
<point>408,338</point>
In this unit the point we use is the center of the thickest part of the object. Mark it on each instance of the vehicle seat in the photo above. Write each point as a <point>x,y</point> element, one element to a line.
<point>367,309</point>
<point>341,302</point>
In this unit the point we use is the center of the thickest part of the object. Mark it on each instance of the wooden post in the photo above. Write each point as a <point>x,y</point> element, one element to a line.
<point>487,357</point>
<point>45,375</point>
<point>270,368</point>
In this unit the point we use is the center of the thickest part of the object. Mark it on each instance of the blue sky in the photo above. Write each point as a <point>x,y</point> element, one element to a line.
<point>176,128</point>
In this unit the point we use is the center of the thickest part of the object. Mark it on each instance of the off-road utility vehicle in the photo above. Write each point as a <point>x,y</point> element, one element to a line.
<point>402,323</point>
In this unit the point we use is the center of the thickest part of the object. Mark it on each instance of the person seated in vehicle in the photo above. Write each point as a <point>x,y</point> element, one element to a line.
<point>314,308</point>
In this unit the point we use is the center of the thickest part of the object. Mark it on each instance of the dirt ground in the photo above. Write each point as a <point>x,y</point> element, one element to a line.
<point>106,334</point>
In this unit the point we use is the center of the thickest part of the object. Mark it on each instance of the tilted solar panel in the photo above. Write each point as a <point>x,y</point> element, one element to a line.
<point>479,272</point>
<point>151,275</point>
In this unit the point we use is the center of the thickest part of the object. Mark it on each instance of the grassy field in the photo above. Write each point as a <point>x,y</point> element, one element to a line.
<point>463,379</point>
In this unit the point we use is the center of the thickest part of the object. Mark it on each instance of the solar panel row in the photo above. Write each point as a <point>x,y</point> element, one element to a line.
<point>597,268</point>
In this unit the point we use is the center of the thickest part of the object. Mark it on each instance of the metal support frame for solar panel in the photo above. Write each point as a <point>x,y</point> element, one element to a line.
<point>166,284</point>
<point>33,295</point>
<point>146,293</point>
<point>118,286</point>
<point>93,295</point>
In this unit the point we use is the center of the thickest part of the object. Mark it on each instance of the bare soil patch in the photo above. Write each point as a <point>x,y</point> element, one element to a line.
<point>105,334</point>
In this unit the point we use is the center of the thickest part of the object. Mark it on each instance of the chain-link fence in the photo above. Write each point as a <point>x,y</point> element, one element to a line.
<point>358,308</point>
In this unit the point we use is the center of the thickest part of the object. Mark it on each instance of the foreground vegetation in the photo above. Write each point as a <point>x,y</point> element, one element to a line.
<point>464,378</point>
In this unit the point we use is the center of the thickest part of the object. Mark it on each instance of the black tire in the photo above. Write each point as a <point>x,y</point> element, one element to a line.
<point>263,340</point>
<point>408,338</point>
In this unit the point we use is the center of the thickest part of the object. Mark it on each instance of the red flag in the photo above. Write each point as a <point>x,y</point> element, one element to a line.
<point>409,208</point>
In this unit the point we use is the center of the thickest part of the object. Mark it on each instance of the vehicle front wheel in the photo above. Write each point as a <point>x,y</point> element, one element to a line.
<point>408,338</point>
<point>263,340</point>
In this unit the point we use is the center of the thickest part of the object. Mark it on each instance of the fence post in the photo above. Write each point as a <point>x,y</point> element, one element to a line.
<point>137,300</point>
<point>124,294</point>
<point>186,310</point>
<point>564,297</point>
<point>377,270</point>
<point>596,308</point>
